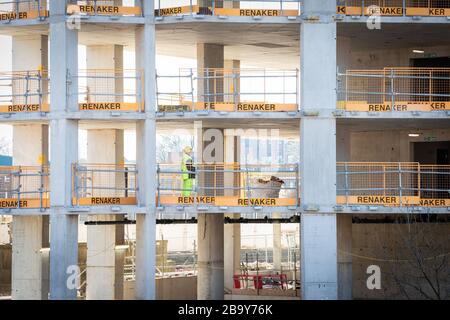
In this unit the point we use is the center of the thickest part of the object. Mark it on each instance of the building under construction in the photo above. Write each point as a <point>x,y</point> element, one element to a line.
<point>330,115</point>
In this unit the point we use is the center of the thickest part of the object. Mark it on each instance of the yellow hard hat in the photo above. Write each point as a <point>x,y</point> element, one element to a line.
<point>187,149</point>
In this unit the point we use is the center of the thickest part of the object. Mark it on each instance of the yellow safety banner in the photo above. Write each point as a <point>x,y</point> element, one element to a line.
<point>168,200</point>
<point>434,202</point>
<point>398,106</point>
<point>255,12</point>
<point>351,11</point>
<point>103,10</point>
<point>378,200</point>
<point>226,201</point>
<point>255,202</point>
<point>383,11</point>
<point>368,11</point>
<point>104,201</point>
<point>266,107</point>
<point>109,106</point>
<point>176,10</point>
<point>245,106</point>
<point>24,15</point>
<point>435,12</point>
<point>24,203</point>
<point>18,108</point>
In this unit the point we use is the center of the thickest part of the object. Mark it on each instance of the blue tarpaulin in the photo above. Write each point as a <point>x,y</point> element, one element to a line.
<point>5,161</point>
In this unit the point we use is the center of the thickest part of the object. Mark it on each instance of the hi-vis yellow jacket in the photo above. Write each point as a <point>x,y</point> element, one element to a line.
<point>186,160</point>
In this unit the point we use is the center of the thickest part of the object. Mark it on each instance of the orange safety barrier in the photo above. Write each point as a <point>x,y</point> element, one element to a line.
<point>394,90</point>
<point>394,7</point>
<point>223,90</point>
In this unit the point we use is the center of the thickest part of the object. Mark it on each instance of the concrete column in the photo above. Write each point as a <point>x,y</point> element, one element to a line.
<point>343,144</point>
<point>30,233</point>
<point>344,224</point>
<point>30,148</point>
<point>277,249</point>
<point>232,251</point>
<point>210,262</point>
<point>318,152</point>
<point>104,277</point>
<point>29,52</point>
<point>232,4</point>
<point>146,160</point>
<point>209,56</point>
<point>210,258</point>
<point>210,238</point>
<point>344,241</point>
<point>344,53</point>
<point>146,221</point>
<point>229,85</point>
<point>232,232</point>
<point>109,57</point>
<point>220,3</point>
<point>210,275</point>
<point>100,262</point>
<point>64,139</point>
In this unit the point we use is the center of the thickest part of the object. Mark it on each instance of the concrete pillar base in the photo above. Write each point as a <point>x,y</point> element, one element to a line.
<point>210,266</point>
<point>344,242</point>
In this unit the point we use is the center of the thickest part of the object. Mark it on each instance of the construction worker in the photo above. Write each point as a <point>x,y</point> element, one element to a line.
<point>188,170</point>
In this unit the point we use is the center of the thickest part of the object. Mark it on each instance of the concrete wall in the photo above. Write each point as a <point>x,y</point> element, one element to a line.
<point>182,288</point>
<point>377,59</point>
<point>5,269</point>
<point>383,244</point>
<point>5,266</point>
<point>5,236</point>
<point>390,145</point>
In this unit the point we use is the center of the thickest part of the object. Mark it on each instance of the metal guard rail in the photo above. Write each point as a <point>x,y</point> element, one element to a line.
<point>228,185</point>
<point>219,89</point>
<point>24,10</point>
<point>103,8</point>
<point>109,89</point>
<point>364,183</point>
<point>394,90</point>
<point>248,8</point>
<point>393,184</point>
<point>23,187</point>
<point>24,91</point>
<point>104,184</point>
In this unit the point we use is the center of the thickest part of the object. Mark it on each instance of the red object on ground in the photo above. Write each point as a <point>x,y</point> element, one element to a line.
<point>281,280</point>
<point>237,281</point>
